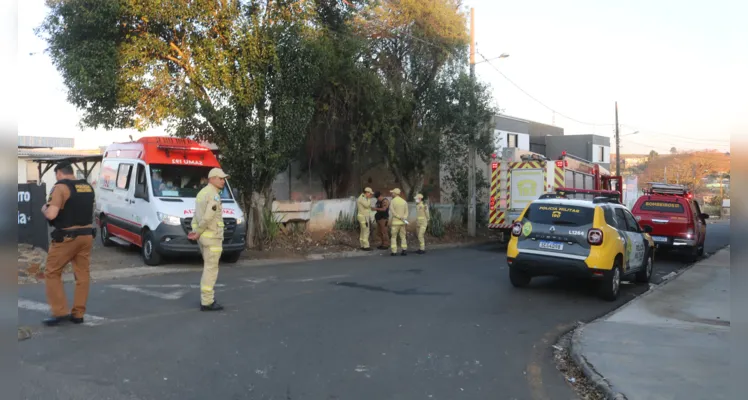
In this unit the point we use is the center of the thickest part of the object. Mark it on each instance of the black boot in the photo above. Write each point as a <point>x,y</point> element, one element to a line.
<point>54,321</point>
<point>420,252</point>
<point>404,253</point>
<point>213,307</point>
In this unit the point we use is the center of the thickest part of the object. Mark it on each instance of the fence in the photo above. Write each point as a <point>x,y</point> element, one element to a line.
<point>321,215</point>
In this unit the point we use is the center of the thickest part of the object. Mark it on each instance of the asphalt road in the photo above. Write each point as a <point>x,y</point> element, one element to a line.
<point>446,325</point>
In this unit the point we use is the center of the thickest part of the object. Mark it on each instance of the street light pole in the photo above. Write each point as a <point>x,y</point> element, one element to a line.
<point>471,228</point>
<point>618,146</point>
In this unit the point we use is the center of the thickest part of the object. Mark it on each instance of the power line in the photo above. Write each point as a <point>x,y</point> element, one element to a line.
<point>679,137</point>
<point>536,99</point>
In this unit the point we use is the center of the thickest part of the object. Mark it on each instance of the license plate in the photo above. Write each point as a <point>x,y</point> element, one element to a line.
<point>659,239</point>
<point>551,245</point>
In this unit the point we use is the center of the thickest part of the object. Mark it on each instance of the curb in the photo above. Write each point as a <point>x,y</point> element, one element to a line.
<point>358,253</point>
<point>575,348</point>
<point>588,370</point>
<point>135,272</point>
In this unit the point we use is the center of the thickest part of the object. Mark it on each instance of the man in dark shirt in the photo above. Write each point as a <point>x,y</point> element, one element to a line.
<point>382,216</point>
<point>70,211</point>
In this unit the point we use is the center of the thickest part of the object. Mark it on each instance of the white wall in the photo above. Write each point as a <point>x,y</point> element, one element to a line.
<point>22,171</point>
<point>501,140</point>
<point>596,154</point>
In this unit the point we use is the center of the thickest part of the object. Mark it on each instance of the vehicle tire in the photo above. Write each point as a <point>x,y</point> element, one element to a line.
<point>104,234</point>
<point>611,284</point>
<point>148,251</point>
<point>693,254</point>
<point>645,274</point>
<point>518,278</point>
<point>231,257</point>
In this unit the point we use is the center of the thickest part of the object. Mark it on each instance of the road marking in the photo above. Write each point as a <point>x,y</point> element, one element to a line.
<point>258,280</point>
<point>173,286</point>
<point>322,278</point>
<point>175,295</point>
<point>91,320</point>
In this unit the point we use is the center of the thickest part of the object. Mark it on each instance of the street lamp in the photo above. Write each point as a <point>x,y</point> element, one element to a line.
<point>629,134</point>
<point>503,55</point>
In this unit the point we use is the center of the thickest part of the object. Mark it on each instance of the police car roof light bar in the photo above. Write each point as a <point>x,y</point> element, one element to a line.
<point>183,148</point>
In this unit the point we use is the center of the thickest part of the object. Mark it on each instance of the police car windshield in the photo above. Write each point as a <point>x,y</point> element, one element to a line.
<point>559,214</point>
<point>181,181</point>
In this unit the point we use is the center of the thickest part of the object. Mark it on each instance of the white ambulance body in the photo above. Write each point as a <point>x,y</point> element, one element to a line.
<point>145,197</point>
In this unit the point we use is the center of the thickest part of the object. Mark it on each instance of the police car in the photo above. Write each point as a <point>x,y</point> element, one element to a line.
<point>598,239</point>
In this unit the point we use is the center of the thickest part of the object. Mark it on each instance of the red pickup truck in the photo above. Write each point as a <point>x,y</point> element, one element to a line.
<point>675,217</point>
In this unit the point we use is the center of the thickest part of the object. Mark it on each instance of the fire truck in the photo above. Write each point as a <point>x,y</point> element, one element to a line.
<point>520,177</point>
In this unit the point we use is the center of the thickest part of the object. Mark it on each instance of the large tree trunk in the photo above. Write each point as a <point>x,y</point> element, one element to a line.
<point>251,220</point>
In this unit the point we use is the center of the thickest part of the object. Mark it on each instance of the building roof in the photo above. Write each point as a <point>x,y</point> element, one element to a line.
<point>56,153</point>
<point>44,142</point>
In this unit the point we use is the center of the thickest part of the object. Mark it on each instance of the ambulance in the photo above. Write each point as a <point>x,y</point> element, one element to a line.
<point>521,177</point>
<point>145,198</point>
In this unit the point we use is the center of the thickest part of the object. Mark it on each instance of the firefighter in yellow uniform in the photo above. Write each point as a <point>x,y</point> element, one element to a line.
<point>207,229</point>
<point>422,212</point>
<point>399,209</point>
<point>364,215</point>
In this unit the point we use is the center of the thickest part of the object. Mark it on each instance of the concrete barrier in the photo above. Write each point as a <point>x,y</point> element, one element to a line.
<point>321,215</point>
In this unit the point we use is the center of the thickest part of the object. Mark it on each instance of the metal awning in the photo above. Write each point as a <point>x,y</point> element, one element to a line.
<point>44,164</point>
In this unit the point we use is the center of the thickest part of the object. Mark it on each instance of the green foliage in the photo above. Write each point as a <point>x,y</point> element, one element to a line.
<point>437,227</point>
<point>467,116</point>
<point>412,43</point>
<point>271,225</point>
<point>348,97</point>
<point>346,222</point>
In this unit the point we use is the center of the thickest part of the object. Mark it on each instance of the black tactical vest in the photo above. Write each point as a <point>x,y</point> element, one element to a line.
<point>78,209</point>
<point>381,214</point>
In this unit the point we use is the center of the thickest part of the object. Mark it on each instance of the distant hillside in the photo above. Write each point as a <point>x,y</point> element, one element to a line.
<point>686,168</point>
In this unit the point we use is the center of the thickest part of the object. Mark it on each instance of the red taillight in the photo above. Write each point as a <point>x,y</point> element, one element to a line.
<point>595,237</point>
<point>516,229</point>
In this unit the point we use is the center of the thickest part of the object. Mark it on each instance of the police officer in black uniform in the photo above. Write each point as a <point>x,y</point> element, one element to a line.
<point>70,210</point>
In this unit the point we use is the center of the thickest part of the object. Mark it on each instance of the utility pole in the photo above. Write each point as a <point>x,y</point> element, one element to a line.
<point>618,145</point>
<point>471,148</point>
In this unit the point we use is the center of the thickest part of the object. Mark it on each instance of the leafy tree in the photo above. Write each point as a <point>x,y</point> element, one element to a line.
<point>347,101</point>
<point>466,118</point>
<point>236,73</point>
<point>411,42</point>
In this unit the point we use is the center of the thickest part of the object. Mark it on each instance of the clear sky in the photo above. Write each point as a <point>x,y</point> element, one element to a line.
<point>678,70</point>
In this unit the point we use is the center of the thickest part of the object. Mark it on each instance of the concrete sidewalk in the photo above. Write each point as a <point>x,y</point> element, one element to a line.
<point>671,343</point>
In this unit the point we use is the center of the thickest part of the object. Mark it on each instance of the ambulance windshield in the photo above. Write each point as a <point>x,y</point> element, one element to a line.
<point>181,181</point>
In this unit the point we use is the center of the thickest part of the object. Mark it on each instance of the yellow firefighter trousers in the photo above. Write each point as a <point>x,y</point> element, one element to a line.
<point>422,224</point>
<point>363,237</point>
<point>398,230</point>
<point>211,250</point>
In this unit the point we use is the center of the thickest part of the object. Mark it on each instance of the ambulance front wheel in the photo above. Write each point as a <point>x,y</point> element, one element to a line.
<point>149,252</point>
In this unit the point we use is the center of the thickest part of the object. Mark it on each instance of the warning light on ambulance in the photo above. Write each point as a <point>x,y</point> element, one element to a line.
<point>560,164</point>
<point>494,166</point>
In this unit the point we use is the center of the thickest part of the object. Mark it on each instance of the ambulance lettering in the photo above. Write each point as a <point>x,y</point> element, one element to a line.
<point>226,211</point>
<point>182,161</point>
